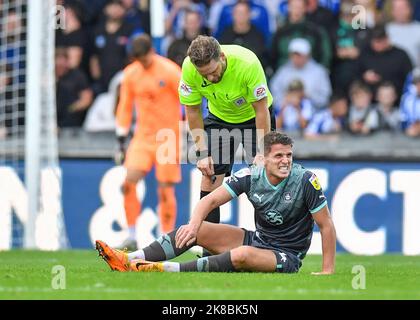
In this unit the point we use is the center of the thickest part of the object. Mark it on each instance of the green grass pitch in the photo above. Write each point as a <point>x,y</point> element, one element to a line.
<point>28,275</point>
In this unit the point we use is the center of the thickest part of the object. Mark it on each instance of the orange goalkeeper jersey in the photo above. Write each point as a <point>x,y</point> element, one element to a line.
<point>154,93</point>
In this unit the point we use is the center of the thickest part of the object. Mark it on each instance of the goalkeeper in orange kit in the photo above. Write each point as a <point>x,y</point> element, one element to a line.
<point>150,84</point>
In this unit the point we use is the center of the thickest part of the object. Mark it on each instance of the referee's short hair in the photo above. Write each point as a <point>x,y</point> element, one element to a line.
<point>203,49</point>
<point>275,137</point>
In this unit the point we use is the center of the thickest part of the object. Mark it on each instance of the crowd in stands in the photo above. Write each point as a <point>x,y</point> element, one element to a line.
<point>12,73</point>
<point>332,65</point>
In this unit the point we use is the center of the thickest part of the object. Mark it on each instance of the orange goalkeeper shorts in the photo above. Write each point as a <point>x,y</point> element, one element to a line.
<point>143,155</point>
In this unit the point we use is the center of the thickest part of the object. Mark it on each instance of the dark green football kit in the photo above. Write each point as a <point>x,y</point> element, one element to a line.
<point>283,213</point>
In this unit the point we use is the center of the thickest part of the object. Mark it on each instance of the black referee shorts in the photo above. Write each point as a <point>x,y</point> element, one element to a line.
<point>224,139</point>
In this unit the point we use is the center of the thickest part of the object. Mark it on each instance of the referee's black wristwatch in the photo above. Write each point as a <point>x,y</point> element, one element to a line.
<point>201,154</point>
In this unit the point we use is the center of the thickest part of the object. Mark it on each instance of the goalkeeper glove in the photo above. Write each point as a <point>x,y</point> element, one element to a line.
<point>119,156</point>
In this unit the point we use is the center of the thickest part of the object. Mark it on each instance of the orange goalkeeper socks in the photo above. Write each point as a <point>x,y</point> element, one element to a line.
<point>167,208</point>
<point>132,205</point>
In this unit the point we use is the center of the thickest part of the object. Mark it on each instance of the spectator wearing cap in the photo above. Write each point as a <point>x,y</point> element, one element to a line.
<point>301,66</point>
<point>295,111</point>
<point>410,108</point>
<point>381,61</point>
<point>329,123</point>
<point>297,26</point>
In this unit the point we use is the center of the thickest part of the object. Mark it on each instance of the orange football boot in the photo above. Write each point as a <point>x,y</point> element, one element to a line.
<point>116,259</point>
<point>141,265</point>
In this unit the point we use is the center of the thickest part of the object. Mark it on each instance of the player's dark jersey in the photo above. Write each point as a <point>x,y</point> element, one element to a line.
<point>283,213</point>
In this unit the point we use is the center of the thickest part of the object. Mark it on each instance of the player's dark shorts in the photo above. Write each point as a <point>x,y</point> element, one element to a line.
<point>224,144</point>
<point>287,262</point>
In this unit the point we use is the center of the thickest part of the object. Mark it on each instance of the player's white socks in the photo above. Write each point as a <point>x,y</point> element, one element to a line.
<point>139,254</point>
<point>171,266</point>
<point>132,233</point>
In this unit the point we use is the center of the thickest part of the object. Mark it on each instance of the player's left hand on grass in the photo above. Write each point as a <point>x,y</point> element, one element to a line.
<point>186,235</point>
<point>322,273</point>
<point>119,156</point>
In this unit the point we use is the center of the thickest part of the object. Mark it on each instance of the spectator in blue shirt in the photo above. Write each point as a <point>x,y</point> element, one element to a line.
<point>175,16</point>
<point>260,18</point>
<point>328,123</point>
<point>295,111</point>
<point>242,32</point>
<point>410,108</point>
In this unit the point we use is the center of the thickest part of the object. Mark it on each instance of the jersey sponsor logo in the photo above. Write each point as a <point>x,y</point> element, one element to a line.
<point>260,92</point>
<point>315,182</point>
<point>274,217</point>
<point>287,197</point>
<point>259,197</point>
<point>205,84</point>
<point>185,89</point>
<point>239,102</point>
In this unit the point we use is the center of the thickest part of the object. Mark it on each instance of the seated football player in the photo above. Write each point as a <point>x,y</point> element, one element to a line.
<point>287,199</point>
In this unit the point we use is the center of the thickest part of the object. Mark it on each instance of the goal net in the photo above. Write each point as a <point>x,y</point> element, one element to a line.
<point>30,178</point>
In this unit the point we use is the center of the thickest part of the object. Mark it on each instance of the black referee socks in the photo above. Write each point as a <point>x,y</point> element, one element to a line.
<point>214,215</point>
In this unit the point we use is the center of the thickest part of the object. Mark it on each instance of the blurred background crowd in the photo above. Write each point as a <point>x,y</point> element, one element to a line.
<point>332,66</point>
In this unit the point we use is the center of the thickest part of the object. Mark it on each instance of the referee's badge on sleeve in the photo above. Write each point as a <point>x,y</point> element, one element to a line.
<point>260,92</point>
<point>184,89</point>
<point>315,182</point>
